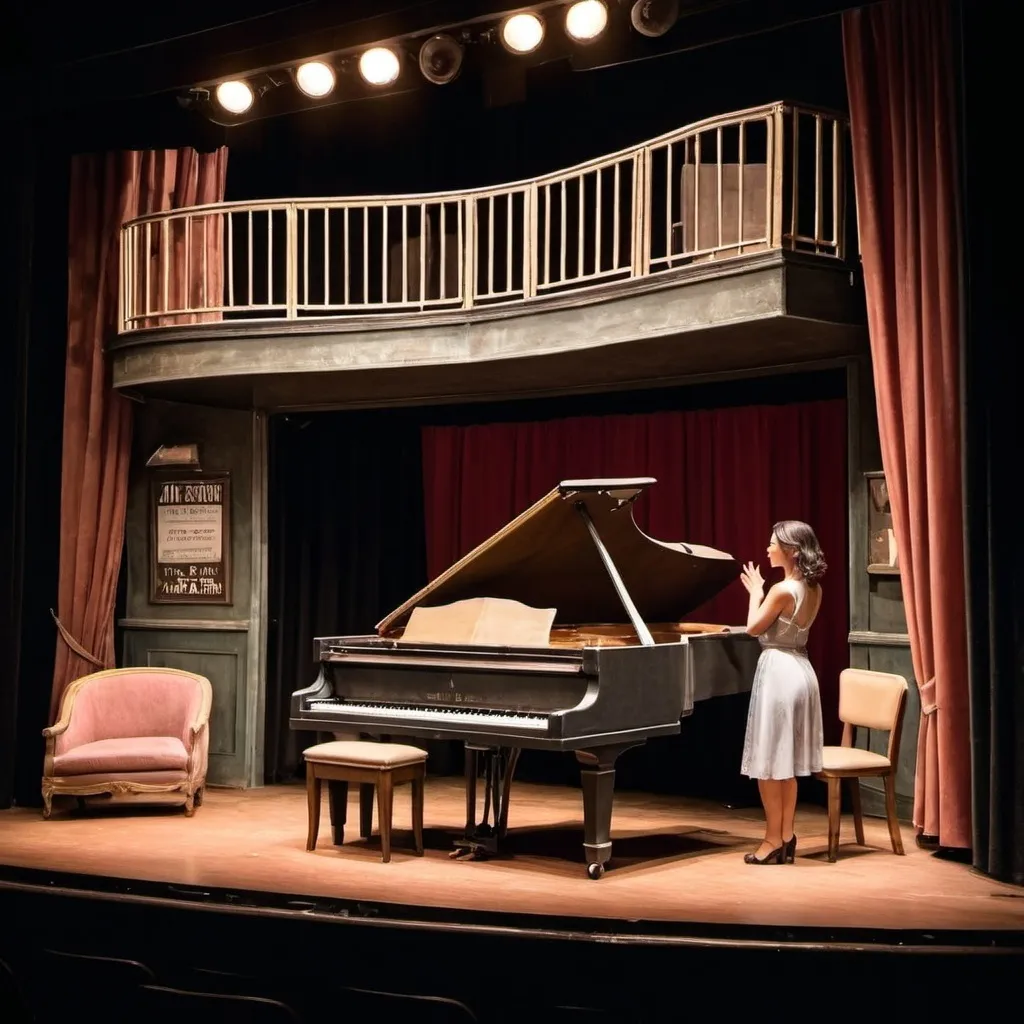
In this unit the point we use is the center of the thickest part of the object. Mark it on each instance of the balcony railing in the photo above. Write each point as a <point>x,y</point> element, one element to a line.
<point>773,177</point>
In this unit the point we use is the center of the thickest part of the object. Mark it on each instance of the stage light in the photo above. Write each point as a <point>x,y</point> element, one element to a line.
<point>175,455</point>
<point>440,59</point>
<point>586,20</point>
<point>522,33</point>
<point>653,18</point>
<point>235,97</point>
<point>379,66</point>
<point>315,78</point>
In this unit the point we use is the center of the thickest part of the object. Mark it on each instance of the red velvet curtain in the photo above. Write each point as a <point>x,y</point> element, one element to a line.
<point>106,190</point>
<point>900,77</point>
<point>724,477</point>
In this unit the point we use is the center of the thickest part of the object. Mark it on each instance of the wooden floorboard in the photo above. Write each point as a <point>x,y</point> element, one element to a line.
<point>674,860</point>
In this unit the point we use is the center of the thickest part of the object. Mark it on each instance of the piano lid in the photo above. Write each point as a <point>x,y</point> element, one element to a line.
<point>546,557</point>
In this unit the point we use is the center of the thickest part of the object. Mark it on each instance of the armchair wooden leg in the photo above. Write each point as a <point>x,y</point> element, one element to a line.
<point>47,805</point>
<point>417,813</point>
<point>190,805</point>
<point>312,806</point>
<point>890,815</point>
<point>198,801</point>
<point>833,817</point>
<point>858,819</point>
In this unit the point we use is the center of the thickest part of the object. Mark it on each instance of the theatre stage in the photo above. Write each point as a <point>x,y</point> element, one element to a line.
<point>677,863</point>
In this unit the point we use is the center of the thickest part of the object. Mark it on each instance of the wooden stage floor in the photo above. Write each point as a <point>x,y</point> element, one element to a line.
<point>674,860</point>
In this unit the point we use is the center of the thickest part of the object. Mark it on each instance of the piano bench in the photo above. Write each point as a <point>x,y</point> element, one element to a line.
<point>380,766</point>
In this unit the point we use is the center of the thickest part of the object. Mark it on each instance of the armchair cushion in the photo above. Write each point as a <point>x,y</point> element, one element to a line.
<point>135,702</point>
<point>128,754</point>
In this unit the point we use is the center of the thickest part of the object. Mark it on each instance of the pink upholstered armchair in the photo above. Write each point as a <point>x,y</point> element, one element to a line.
<point>130,730</point>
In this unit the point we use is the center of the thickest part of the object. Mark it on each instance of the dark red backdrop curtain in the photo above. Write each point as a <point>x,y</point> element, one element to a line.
<point>901,79</point>
<point>106,190</point>
<point>724,477</point>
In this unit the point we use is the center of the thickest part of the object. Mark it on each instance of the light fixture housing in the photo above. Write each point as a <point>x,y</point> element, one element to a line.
<point>585,20</point>
<point>379,66</point>
<point>236,96</point>
<point>175,455</point>
<point>440,59</point>
<point>653,18</point>
<point>315,79</point>
<point>522,33</point>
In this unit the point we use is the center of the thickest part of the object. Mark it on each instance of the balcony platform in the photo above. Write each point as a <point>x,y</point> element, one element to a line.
<point>769,310</point>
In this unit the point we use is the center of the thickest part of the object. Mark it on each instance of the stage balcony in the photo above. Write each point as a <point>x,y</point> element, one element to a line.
<point>723,246</point>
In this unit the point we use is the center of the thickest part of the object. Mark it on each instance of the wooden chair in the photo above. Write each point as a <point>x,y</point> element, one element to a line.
<point>380,766</point>
<point>870,700</point>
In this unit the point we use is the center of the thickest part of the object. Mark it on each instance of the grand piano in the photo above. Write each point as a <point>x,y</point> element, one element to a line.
<point>563,631</point>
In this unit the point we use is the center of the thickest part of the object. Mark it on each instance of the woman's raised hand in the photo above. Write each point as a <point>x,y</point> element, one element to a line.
<point>751,579</point>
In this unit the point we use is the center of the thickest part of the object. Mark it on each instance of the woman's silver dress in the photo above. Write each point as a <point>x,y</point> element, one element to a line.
<point>784,730</point>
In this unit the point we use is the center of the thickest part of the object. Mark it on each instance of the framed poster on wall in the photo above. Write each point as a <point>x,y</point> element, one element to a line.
<point>190,539</point>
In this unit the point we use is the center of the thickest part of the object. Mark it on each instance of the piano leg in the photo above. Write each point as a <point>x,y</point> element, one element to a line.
<point>482,838</point>
<point>597,780</point>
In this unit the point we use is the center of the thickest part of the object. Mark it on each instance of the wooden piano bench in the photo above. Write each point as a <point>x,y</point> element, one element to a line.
<point>380,766</point>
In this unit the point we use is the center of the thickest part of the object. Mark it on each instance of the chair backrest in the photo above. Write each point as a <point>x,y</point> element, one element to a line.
<point>119,703</point>
<point>159,1002</point>
<point>375,1004</point>
<point>71,984</point>
<point>873,700</point>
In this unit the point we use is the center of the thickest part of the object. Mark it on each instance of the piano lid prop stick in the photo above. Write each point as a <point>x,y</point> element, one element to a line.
<point>634,616</point>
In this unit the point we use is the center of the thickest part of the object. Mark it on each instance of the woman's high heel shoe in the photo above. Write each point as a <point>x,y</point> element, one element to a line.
<point>776,856</point>
<point>789,850</point>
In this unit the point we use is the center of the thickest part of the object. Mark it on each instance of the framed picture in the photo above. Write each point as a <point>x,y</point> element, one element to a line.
<point>883,552</point>
<point>190,539</point>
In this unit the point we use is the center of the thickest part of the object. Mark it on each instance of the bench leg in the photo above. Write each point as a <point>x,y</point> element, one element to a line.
<point>417,813</point>
<point>337,794</point>
<point>312,806</point>
<point>365,809</point>
<point>385,802</point>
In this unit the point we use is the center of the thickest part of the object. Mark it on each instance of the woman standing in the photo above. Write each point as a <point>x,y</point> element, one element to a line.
<point>784,730</point>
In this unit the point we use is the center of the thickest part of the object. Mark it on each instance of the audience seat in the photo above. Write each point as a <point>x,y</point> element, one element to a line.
<point>14,1007</point>
<point>158,1004</point>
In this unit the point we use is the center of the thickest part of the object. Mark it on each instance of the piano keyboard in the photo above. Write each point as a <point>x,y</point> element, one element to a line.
<point>440,714</point>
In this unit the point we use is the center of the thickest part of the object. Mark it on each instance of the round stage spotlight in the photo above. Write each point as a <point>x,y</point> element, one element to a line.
<point>440,59</point>
<point>315,78</point>
<point>235,97</point>
<point>653,18</point>
<point>586,20</point>
<point>522,33</point>
<point>379,66</point>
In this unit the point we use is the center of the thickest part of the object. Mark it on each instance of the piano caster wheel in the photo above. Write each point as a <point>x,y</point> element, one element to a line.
<point>468,853</point>
<point>595,871</point>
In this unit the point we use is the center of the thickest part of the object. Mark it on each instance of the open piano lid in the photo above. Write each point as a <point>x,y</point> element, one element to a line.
<point>547,558</point>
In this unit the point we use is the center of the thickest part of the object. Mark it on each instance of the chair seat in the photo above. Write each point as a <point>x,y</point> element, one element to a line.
<point>127,754</point>
<point>361,754</point>
<point>849,759</point>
